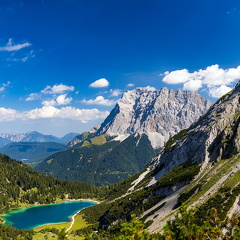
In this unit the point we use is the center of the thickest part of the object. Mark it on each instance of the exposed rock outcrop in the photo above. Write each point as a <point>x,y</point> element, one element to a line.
<point>160,114</point>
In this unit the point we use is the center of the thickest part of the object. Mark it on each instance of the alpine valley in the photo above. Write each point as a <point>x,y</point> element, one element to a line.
<point>138,126</point>
<point>189,190</point>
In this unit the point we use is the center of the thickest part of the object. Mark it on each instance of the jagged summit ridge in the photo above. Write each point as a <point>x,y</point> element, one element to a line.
<point>160,114</point>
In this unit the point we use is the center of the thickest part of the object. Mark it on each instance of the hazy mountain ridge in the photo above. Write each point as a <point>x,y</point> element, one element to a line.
<point>160,114</point>
<point>34,136</point>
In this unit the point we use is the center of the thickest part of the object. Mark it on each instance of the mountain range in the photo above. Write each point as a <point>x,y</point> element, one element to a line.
<point>140,123</point>
<point>197,169</point>
<point>33,136</point>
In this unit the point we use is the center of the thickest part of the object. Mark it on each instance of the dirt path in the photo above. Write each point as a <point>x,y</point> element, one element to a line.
<point>73,220</point>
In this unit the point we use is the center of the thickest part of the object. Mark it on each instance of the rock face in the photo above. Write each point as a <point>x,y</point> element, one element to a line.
<point>215,136</point>
<point>160,114</point>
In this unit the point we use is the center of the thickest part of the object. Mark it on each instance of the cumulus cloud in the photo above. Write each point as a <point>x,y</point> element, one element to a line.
<point>33,96</point>
<point>60,100</point>
<point>83,115</point>
<point>152,89</point>
<point>217,92</point>
<point>175,77</point>
<point>100,100</point>
<point>7,114</point>
<point>192,85</point>
<point>115,92</point>
<point>10,47</point>
<point>130,85</point>
<point>4,85</point>
<point>53,90</point>
<point>103,82</point>
<point>57,89</point>
<point>214,78</point>
<point>68,112</point>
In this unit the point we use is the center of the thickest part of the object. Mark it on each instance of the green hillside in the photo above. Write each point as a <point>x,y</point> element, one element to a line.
<point>100,161</point>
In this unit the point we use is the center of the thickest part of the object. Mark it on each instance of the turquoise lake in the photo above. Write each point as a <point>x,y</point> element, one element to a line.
<point>31,217</point>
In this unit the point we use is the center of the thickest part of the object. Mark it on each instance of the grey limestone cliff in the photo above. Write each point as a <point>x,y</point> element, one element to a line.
<point>160,114</point>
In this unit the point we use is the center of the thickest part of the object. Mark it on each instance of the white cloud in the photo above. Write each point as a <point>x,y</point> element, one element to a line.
<point>100,100</point>
<point>60,100</point>
<point>57,89</point>
<point>44,112</point>
<point>66,113</point>
<point>49,112</point>
<point>217,92</point>
<point>7,114</point>
<point>152,89</point>
<point>115,92</point>
<point>4,85</point>
<point>9,47</point>
<point>175,77</point>
<point>33,96</point>
<point>213,77</point>
<point>192,85</point>
<point>130,85</point>
<point>103,82</point>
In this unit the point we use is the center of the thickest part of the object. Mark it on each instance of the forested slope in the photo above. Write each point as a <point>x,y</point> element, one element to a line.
<point>19,184</point>
<point>100,160</point>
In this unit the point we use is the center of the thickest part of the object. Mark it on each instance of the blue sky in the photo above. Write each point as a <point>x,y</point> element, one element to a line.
<point>64,63</point>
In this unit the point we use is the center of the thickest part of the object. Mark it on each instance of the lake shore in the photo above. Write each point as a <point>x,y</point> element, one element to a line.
<point>58,201</point>
<point>57,225</point>
<point>84,199</point>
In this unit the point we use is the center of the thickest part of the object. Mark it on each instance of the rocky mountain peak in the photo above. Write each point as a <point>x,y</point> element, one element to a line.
<point>160,114</point>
